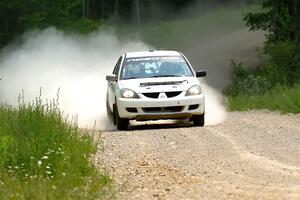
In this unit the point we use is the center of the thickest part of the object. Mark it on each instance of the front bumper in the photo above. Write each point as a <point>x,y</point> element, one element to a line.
<point>155,109</point>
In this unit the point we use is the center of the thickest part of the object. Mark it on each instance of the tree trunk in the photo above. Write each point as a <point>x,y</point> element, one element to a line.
<point>101,9</point>
<point>297,20</point>
<point>88,8</point>
<point>83,8</point>
<point>116,15</point>
<point>138,14</point>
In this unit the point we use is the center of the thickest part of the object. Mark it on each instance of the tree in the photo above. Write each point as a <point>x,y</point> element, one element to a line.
<point>281,20</point>
<point>18,16</point>
<point>276,18</point>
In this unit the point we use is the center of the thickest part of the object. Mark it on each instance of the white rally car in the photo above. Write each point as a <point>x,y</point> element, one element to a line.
<point>154,85</point>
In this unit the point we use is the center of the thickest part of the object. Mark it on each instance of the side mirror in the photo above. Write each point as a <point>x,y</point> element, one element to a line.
<point>200,73</point>
<point>111,77</point>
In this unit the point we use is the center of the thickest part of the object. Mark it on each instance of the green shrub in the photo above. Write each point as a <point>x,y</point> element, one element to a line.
<point>44,157</point>
<point>247,81</point>
<point>282,68</point>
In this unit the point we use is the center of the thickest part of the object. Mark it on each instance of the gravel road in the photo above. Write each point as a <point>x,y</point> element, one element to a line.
<point>252,155</point>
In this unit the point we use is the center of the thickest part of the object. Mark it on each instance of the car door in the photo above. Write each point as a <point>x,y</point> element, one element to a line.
<point>112,84</point>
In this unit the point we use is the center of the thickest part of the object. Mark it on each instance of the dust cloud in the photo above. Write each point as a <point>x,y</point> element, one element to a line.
<point>215,110</point>
<point>75,65</point>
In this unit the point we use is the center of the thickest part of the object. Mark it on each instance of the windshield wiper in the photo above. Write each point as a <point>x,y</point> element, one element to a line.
<point>134,77</point>
<point>169,75</point>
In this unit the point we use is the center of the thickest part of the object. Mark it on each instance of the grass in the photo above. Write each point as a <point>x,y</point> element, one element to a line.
<point>44,157</point>
<point>285,100</point>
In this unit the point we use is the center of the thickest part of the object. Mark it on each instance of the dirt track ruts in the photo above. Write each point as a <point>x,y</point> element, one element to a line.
<point>252,155</point>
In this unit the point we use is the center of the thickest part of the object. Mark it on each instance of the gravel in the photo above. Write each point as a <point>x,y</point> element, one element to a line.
<point>252,155</point>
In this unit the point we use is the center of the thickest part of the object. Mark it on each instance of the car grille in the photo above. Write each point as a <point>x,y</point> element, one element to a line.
<point>132,110</point>
<point>155,95</point>
<point>172,94</point>
<point>193,107</point>
<point>163,109</point>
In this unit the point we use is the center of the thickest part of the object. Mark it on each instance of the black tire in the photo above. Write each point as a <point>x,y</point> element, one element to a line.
<point>122,124</point>
<point>198,120</point>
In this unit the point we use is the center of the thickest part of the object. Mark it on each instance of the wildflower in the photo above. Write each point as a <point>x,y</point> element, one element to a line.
<point>45,157</point>
<point>39,162</point>
<point>33,177</point>
<point>48,167</point>
<point>63,174</point>
<point>48,172</point>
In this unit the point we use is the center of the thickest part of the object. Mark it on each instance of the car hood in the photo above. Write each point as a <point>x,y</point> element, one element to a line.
<point>163,84</point>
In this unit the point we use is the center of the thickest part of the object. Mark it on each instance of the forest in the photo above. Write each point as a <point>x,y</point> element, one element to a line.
<point>16,17</point>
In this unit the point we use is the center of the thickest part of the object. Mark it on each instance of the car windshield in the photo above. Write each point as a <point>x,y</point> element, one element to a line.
<point>152,67</point>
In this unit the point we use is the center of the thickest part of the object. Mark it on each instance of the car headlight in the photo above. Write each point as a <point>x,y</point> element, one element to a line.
<point>194,90</point>
<point>128,93</point>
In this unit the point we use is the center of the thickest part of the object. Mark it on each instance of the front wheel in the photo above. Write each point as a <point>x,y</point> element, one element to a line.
<point>122,124</point>
<point>198,120</point>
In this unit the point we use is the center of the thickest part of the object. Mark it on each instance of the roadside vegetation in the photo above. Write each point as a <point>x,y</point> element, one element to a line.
<point>44,157</point>
<point>275,84</point>
<point>283,99</point>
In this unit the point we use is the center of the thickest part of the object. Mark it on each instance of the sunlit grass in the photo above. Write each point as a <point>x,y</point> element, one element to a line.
<point>286,100</point>
<point>44,157</point>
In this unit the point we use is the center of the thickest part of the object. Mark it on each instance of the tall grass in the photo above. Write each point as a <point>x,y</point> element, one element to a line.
<point>283,99</point>
<point>44,157</point>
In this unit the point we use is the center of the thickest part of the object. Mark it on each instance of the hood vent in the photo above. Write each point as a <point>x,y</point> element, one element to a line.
<point>162,83</point>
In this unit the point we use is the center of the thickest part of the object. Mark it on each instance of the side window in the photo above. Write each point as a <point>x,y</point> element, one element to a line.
<point>117,66</point>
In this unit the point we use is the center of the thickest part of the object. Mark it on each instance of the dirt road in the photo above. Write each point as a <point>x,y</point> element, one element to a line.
<point>252,155</point>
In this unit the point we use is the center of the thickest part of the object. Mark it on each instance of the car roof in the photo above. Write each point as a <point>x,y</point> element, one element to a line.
<point>151,53</point>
